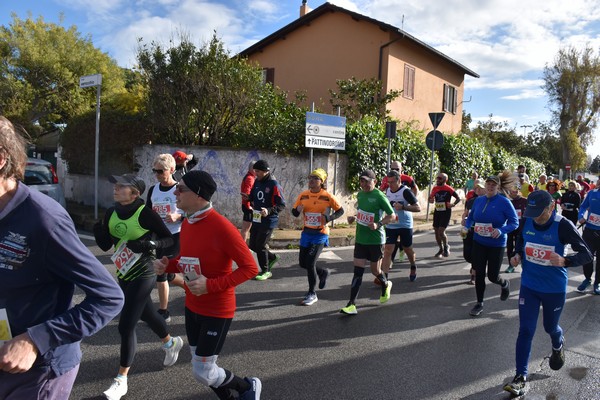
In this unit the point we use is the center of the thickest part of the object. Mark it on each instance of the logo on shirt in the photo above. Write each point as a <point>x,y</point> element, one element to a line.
<point>13,251</point>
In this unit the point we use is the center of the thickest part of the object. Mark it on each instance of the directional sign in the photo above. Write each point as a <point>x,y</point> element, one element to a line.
<point>90,81</point>
<point>325,131</point>
<point>436,119</point>
<point>439,140</point>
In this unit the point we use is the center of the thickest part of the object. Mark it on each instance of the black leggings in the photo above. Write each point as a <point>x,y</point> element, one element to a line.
<point>308,260</point>
<point>490,257</point>
<point>259,237</point>
<point>138,305</point>
<point>592,239</point>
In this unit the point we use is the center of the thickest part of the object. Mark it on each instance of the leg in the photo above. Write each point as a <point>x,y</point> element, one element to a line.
<point>553,305</point>
<point>480,259</point>
<point>529,308</point>
<point>38,383</point>
<point>387,257</point>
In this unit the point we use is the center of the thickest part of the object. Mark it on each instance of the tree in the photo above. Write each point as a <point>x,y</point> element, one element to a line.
<point>40,67</point>
<point>595,165</point>
<point>573,87</point>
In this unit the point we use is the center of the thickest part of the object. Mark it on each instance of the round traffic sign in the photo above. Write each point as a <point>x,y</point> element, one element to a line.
<point>439,140</point>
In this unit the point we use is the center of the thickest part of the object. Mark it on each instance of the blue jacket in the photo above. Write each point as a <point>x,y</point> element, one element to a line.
<point>591,204</point>
<point>41,262</point>
<point>267,193</point>
<point>497,211</point>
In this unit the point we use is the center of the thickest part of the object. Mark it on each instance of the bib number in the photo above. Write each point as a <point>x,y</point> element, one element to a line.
<point>484,230</point>
<point>312,220</point>
<point>538,253</point>
<point>594,219</point>
<point>162,209</point>
<point>364,218</point>
<point>519,213</point>
<point>440,206</point>
<point>256,216</point>
<point>124,258</point>
<point>5,334</point>
<point>190,268</point>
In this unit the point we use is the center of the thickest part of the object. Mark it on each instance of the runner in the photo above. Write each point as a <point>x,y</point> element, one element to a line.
<point>209,246</point>
<point>519,203</point>
<point>245,189</point>
<point>492,217</point>
<point>467,234</point>
<point>370,237</point>
<point>441,195</point>
<point>161,199</point>
<point>542,248</point>
<point>129,226</point>
<point>570,202</point>
<point>267,202</point>
<point>316,205</point>
<point>183,164</point>
<point>591,235</point>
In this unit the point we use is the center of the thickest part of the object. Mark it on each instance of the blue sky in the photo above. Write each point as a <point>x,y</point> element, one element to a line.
<point>507,42</point>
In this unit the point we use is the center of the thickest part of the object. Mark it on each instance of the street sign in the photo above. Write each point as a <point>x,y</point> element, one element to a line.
<point>436,119</point>
<point>439,140</point>
<point>90,81</point>
<point>324,131</point>
<point>390,129</point>
<point>568,167</point>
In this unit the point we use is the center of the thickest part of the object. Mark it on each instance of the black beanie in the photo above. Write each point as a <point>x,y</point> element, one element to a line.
<point>201,183</point>
<point>262,165</point>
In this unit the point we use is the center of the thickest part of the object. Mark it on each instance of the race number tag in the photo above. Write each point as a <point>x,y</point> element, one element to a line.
<point>594,219</point>
<point>256,216</point>
<point>440,206</point>
<point>124,258</point>
<point>364,218</point>
<point>568,206</point>
<point>190,268</point>
<point>519,213</point>
<point>484,230</point>
<point>5,334</point>
<point>163,209</point>
<point>312,220</point>
<point>538,253</point>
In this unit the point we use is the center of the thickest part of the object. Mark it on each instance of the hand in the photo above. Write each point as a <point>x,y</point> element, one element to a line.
<point>373,226</point>
<point>18,354</point>
<point>351,219</point>
<point>197,286</point>
<point>141,246</point>
<point>300,208</point>
<point>581,221</point>
<point>264,212</point>
<point>516,260</point>
<point>557,260</point>
<point>496,233</point>
<point>160,265</point>
<point>398,206</point>
<point>174,217</point>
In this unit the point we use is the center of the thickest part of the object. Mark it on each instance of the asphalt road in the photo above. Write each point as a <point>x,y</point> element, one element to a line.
<point>422,344</point>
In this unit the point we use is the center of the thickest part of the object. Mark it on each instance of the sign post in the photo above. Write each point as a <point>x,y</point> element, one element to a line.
<point>436,144</point>
<point>85,82</point>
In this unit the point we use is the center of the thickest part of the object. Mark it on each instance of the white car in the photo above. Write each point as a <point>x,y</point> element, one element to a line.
<point>41,176</point>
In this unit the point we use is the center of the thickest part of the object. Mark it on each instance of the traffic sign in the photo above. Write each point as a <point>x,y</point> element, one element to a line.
<point>90,81</point>
<point>568,167</point>
<point>439,140</point>
<point>436,119</point>
<point>324,131</point>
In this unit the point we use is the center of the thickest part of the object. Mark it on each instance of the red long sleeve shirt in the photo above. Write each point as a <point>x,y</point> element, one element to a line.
<point>216,243</point>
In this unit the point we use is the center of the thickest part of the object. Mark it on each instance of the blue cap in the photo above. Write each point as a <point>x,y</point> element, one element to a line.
<point>536,203</point>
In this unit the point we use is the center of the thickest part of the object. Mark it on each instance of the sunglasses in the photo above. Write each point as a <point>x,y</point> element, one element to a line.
<point>158,171</point>
<point>395,169</point>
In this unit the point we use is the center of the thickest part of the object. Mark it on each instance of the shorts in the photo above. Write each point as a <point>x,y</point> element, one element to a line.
<point>441,219</point>
<point>166,277</point>
<point>370,252</point>
<point>247,214</point>
<point>405,235</point>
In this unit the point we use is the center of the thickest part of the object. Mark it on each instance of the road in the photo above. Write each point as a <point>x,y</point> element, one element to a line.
<point>422,344</point>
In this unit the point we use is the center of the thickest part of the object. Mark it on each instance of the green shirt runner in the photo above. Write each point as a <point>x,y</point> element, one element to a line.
<point>371,205</point>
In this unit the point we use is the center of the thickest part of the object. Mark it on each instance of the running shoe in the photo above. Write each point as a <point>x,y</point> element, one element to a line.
<point>117,390</point>
<point>273,262</point>
<point>557,359</point>
<point>505,290</point>
<point>388,292</point>
<point>446,252</point>
<point>439,254</point>
<point>309,299</point>
<point>172,353</point>
<point>518,386</point>
<point>476,310</point>
<point>597,289</point>
<point>349,310</point>
<point>165,314</point>
<point>263,276</point>
<point>510,269</point>
<point>584,285</point>
<point>254,392</point>
<point>413,273</point>
<point>323,278</point>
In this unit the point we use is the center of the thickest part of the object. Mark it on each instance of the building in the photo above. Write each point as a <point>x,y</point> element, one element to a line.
<point>331,43</point>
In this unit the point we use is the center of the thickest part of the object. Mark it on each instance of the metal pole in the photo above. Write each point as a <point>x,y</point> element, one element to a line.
<point>430,176</point>
<point>310,166</point>
<point>96,151</point>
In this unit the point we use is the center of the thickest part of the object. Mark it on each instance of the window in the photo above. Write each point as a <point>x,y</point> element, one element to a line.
<point>450,100</point>
<point>408,90</point>
<point>268,75</point>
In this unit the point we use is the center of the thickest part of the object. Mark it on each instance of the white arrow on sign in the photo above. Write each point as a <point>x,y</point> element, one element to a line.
<point>326,131</point>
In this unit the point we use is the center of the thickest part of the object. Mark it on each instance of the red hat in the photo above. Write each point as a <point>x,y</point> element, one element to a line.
<point>179,157</point>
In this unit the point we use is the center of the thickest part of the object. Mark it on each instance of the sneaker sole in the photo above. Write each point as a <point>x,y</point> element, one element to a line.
<point>348,313</point>
<point>514,392</point>
<point>388,293</point>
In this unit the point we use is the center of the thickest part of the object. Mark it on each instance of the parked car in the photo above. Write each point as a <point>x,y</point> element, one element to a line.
<point>41,176</point>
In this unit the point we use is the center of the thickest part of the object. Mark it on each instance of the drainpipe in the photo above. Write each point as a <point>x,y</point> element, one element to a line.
<point>381,52</point>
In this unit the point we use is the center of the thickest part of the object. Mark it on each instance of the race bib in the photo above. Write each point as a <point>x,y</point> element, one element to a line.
<point>594,219</point>
<point>538,253</point>
<point>189,267</point>
<point>5,334</point>
<point>256,216</point>
<point>312,220</point>
<point>364,218</point>
<point>568,206</point>
<point>484,230</point>
<point>124,258</point>
<point>440,206</point>
<point>519,213</point>
<point>163,209</point>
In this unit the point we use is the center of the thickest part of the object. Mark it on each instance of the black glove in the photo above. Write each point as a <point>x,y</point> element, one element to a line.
<point>141,246</point>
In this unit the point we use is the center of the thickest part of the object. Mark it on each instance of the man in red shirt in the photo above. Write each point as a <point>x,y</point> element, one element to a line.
<point>585,187</point>
<point>209,244</point>
<point>441,194</point>
<point>245,189</point>
<point>406,180</point>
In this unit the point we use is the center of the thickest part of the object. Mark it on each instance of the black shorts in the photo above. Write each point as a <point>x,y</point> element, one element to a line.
<point>405,235</point>
<point>441,219</point>
<point>247,216</point>
<point>370,252</point>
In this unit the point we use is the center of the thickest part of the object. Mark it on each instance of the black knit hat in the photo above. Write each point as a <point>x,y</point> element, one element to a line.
<point>262,165</point>
<point>201,183</point>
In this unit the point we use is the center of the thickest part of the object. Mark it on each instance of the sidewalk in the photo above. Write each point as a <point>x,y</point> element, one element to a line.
<point>341,234</point>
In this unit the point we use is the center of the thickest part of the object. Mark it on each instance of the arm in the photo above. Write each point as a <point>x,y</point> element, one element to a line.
<point>567,233</point>
<point>337,213</point>
<point>153,222</point>
<point>101,232</point>
<point>457,197</point>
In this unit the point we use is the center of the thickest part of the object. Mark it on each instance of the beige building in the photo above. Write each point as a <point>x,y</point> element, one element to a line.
<point>331,43</point>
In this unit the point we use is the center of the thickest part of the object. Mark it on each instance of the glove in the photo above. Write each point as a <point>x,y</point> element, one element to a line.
<point>141,246</point>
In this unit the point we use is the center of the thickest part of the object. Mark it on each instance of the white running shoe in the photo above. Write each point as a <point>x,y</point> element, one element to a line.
<point>172,353</point>
<point>117,390</point>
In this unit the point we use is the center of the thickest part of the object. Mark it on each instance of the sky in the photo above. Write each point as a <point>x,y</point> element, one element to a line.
<point>507,42</point>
